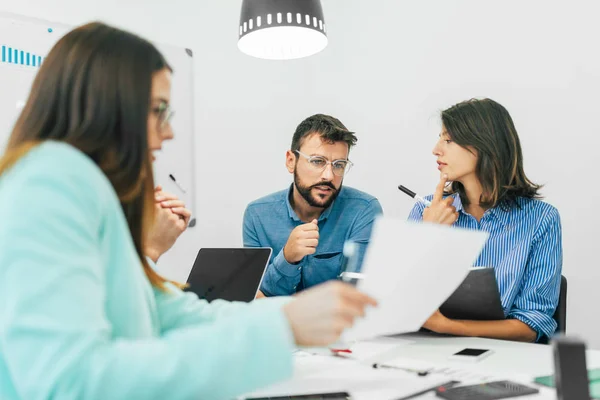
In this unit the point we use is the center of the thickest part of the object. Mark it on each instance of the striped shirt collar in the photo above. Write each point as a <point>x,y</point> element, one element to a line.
<point>501,215</point>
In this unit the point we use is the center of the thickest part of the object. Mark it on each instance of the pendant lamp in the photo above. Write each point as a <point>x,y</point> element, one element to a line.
<point>281,29</point>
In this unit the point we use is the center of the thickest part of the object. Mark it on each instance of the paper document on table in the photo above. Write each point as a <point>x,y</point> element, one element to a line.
<point>326,374</point>
<point>365,350</point>
<point>411,269</point>
<point>467,376</point>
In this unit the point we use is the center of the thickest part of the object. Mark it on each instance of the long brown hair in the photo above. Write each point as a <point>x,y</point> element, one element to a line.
<point>93,92</point>
<point>486,127</point>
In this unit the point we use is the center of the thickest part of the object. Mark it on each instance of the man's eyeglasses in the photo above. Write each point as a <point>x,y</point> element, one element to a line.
<point>164,114</point>
<point>319,163</point>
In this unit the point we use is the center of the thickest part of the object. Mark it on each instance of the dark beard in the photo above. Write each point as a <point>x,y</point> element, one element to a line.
<point>305,192</point>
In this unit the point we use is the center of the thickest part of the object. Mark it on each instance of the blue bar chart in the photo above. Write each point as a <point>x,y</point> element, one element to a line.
<point>10,55</point>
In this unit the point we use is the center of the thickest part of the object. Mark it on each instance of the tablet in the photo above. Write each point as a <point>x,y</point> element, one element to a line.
<point>232,274</point>
<point>477,298</point>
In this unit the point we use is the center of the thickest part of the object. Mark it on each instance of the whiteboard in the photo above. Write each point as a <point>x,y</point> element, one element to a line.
<point>24,42</point>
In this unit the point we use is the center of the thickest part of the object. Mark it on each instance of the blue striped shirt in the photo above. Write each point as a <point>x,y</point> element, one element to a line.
<point>525,250</point>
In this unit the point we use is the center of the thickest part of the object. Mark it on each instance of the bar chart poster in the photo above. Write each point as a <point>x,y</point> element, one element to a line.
<point>27,42</point>
<point>24,43</point>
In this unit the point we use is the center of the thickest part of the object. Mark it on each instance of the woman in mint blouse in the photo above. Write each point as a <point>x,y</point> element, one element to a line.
<point>83,315</point>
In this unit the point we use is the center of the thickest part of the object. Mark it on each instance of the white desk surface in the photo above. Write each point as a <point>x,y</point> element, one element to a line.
<point>509,360</point>
<point>509,357</point>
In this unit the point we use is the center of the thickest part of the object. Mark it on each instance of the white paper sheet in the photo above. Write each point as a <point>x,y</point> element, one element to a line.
<point>411,269</point>
<point>325,374</point>
<point>366,351</point>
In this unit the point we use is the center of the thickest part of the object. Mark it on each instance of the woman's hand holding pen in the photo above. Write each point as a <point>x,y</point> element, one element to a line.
<point>441,211</point>
<point>319,315</point>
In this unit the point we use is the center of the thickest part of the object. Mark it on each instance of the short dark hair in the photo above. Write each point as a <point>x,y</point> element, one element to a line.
<point>329,128</point>
<point>487,127</point>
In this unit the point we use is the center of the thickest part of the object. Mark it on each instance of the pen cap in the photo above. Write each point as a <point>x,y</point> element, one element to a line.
<point>407,191</point>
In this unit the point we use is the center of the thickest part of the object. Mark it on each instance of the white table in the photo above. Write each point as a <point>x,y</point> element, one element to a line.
<point>509,357</point>
<point>512,360</point>
<point>509,360</point>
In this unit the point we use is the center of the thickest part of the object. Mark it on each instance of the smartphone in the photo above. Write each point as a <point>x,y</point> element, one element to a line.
<point>470,354</point>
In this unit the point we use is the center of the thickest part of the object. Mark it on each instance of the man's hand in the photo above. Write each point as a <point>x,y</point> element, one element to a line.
<point>303,240</point>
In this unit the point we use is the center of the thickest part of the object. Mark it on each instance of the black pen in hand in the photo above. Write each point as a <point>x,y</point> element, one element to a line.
<point>177,183</point>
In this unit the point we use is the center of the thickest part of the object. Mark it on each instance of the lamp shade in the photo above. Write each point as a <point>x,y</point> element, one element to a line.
<point>281,29</point>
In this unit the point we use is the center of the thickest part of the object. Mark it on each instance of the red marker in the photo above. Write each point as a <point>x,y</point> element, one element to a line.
<point>341,350</point>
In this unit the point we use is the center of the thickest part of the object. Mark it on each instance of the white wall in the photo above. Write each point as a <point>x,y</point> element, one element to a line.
<point>390,67</point>
<point>233,95</point>
<point>387,77</point>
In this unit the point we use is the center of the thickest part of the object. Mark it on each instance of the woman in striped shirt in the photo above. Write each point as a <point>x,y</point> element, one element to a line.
<point>479,153</point>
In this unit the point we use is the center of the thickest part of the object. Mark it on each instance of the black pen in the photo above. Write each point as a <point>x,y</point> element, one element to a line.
<point>416,371</point>
<point>177,183</point>
<point>414,195</point>
<point>192,220</point>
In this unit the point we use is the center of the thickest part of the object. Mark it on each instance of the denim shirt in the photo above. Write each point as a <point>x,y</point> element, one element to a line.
<point>269,221</point>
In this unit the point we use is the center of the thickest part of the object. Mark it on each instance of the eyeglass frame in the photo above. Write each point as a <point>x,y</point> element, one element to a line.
<point>349,164</point>
<point>163,109</point>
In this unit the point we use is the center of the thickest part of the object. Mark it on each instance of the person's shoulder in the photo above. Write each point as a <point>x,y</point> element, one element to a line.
<point>56,159</point>
<point>537,208</point>
<point>269,200</point>
<point>352,194</point>
<point>57,167</point>
<point>537,215</point>
<point>354,198</point>
<point>57,179</point>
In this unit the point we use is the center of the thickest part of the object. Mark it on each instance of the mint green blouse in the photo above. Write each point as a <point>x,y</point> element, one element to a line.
<point>80,320</point>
